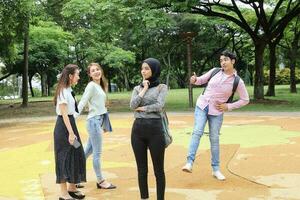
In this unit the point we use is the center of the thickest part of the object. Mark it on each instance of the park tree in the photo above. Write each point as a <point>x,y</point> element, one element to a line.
<point>123,28</point>
<point>52,10</point>
<point>212,36</point>
<point>15,19</point>
<point>291,46</point>
<point>24,17</point>
<point>92,40</point>
<point>49,49</point>
<point>10,30</point>
<point>273,43</point>
<point>121,60</point>
<point>269,22</point>
<point>272,65</point>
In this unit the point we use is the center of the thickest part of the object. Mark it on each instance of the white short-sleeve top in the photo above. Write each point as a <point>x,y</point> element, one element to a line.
<point>65,97</point>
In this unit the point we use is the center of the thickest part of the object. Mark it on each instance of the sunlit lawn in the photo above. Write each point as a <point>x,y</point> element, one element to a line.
<point>177,100</point>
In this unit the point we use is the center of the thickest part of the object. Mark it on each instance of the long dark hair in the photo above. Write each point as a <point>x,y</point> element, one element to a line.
<point>64,79</point>
<point>103,81</point>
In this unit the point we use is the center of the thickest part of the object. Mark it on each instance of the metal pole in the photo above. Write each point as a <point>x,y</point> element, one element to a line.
<point>189,65</point>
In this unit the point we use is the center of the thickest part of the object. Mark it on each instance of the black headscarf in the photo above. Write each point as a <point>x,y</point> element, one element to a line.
<point>154,65</point>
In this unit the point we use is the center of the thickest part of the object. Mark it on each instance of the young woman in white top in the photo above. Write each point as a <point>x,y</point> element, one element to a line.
<point>69,155</point>
<point>95,96</point>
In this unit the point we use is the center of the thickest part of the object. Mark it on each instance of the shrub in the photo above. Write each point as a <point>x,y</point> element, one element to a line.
<point>282,76</point>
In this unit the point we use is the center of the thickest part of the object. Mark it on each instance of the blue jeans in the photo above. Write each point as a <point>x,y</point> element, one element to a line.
<point>215,123</point>
<point>94,143</point>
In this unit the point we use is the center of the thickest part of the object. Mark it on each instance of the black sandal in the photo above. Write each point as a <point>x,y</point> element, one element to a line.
<point>61,198</point>
<point>76,194</point>
<point>79,185</point>
<point>111,186</point>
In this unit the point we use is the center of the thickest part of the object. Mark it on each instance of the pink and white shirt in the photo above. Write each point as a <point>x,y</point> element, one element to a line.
<point>218,90</point>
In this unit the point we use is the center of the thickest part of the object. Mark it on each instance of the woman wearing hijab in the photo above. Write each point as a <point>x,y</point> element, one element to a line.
<point>147,101</point>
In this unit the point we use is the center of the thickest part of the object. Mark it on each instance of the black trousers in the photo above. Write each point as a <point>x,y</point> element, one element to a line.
<point>147,134</point>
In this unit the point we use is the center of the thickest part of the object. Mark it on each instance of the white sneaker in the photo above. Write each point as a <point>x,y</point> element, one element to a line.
<point>218,175</point>
<point>187,168</point>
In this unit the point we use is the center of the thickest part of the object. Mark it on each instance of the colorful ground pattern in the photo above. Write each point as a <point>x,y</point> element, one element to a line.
<point>259,156</point>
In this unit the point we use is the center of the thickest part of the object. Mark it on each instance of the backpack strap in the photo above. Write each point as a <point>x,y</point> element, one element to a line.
<point>235,85</point>
<point>214,72</point>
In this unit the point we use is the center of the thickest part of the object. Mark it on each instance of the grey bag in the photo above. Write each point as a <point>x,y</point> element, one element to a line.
<point>166,131</point>
<point>165,125</point>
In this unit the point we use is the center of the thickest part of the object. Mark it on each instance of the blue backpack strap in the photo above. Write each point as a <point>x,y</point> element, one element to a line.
<point>235,85</point>
<point>214,72</point>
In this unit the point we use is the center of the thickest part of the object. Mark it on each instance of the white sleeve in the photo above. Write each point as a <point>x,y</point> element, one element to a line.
<point>62,97</point>
<point>87,95</point>
<point>76,115</point>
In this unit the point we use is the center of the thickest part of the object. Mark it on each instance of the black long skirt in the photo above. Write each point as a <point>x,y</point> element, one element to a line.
<point>69,162</point>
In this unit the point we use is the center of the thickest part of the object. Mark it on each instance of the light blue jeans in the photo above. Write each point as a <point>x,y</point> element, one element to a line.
<point>94,143</point>
<point>214,123</point>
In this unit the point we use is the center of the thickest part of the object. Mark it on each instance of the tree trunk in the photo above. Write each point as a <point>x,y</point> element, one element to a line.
<point>30,85</point>
<point>273,61</point>
<point>25,69</point>
<point>126,82</point>
<point>43,84</point>
<point>293,58</point>
<point>272,73</point>
<point>293,88</point>
<point>259,71</point>
<point>168,65</point>
<point>48,86</point>
<point>168,79</point>
<point>109,85</point>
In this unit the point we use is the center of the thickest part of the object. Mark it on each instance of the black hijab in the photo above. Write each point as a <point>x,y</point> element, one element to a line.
<point>154,65</point>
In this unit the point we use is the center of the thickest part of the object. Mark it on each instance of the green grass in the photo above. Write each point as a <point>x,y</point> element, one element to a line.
<point>284,101</point>
<point>177,100</point>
